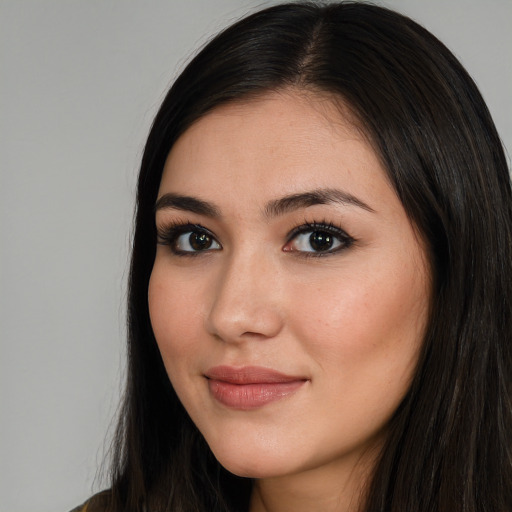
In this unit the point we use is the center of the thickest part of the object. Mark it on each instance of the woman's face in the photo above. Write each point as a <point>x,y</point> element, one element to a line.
<point>289,294</point>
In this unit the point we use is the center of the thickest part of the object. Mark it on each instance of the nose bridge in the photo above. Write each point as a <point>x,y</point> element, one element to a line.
<point>246,301</point>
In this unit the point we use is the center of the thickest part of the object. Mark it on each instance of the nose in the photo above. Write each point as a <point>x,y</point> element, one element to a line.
<point>246,304</point>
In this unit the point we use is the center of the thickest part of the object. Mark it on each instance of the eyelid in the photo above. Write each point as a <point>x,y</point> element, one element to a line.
<point>328,227</point>
<point>169,233</point>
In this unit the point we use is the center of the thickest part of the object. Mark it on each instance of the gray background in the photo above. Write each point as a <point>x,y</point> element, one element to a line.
<point>79,84</point>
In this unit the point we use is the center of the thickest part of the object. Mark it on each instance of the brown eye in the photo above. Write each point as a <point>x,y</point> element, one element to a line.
<point>200,241</point>
<point>195,241</point>
<point>318,239</point>
<point>321,241</point>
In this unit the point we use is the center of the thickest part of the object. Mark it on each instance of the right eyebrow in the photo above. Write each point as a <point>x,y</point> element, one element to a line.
<point>186,203</point>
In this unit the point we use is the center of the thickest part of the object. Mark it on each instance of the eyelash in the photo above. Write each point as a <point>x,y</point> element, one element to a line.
<point>323,227</point>
<point>169,234</point>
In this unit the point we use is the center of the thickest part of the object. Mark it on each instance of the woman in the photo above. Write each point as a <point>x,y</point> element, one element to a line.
<point>321,282</point>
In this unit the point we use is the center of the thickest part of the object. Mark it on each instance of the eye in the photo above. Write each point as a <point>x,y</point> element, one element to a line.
<point>318,239</point>
<point>188,239</point>
<point>192,241</point>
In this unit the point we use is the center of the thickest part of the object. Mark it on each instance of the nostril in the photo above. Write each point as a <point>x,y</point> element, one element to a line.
<point>248,321</point>
<point>242,306</point>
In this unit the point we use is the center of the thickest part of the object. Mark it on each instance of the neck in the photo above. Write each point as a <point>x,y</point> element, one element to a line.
<point>337,487</point>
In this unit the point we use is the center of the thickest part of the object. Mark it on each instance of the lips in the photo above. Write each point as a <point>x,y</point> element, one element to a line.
<point>250,387</point>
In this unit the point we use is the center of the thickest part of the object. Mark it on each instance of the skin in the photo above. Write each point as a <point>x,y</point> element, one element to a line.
<point>350,321</point>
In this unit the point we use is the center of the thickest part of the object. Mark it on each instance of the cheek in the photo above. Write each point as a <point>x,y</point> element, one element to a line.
<point>175,317</point>
<point>366,328</point>
<point>176,320</point>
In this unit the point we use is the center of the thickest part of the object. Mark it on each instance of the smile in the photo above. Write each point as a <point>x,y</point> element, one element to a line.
<point>250,387</point>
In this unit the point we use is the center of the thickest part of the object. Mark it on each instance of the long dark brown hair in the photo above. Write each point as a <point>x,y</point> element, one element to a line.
<point>448,447</point>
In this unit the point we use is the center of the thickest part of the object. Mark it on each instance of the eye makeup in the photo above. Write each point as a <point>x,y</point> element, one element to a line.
<point>310,239</point>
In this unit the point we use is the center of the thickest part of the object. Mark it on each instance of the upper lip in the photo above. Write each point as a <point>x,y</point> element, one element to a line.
<point>249,375</point>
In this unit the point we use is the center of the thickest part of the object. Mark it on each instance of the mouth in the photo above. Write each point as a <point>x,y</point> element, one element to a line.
<point>250,387</point>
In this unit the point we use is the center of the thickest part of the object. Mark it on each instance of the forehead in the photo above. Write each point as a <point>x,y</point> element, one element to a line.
<point>280,143</point>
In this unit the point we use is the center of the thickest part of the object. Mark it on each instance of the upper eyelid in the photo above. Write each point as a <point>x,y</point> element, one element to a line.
<point>180,227</point>
<point>169,235</point>
<point>304,227</point>
<point>318,226</point>
<point>346,240</point>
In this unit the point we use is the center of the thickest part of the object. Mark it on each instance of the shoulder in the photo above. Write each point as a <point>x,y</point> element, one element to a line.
<point>98,503</point>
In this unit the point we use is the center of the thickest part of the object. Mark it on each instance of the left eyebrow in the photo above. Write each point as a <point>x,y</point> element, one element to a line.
<point>319,196</point>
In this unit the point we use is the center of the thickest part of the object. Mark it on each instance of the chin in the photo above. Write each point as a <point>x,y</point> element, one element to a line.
<point>251,470</point>
<point>256,463</point>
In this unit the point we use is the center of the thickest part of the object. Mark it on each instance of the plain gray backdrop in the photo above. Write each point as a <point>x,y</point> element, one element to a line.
<point>79,84</point>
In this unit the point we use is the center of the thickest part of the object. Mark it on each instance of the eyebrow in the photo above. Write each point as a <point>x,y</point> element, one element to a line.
<point>273,208</point>
<point>187,203</point>
<point>304,199</point>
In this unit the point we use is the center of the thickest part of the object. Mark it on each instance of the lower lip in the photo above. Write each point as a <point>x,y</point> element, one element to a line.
<point>251,396</point>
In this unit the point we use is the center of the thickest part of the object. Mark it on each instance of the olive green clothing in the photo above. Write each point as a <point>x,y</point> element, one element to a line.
<point>98,503</point>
